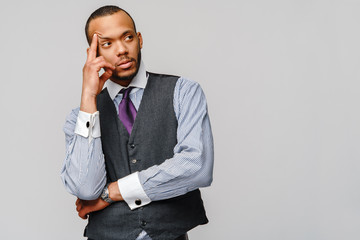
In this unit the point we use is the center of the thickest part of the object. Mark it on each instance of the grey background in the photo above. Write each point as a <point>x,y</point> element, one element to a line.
<point>282,83</point>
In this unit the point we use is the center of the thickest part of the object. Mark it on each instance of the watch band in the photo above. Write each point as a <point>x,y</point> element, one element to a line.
<point>105,194</point>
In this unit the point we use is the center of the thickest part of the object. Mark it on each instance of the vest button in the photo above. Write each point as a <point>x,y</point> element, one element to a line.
<point>133,161</point>
<point>137,201</point>
<point>132,146</point>
<point>143,223</point>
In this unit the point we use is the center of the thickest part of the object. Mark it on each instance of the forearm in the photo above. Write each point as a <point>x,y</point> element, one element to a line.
<point>88,102</point>
<point>189,169</point>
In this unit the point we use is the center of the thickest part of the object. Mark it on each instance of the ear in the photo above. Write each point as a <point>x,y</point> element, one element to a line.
<point>140,39</point>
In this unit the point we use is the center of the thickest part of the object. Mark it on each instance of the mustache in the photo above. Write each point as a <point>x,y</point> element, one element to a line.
<point>124,59</point>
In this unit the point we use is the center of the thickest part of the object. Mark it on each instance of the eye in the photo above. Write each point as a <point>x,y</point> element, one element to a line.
<point>106,44</point>
<point>129,37</point>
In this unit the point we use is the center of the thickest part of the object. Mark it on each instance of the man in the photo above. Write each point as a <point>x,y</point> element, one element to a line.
<point>138,150</point>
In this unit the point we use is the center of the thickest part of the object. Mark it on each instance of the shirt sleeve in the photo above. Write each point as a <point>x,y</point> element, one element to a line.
<point>88,125</point>
<point>191,167</point>
<point>132,191</point>
<point>83,173</point>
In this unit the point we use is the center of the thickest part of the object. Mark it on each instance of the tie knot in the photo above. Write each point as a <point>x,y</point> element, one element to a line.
<point>126,92</point>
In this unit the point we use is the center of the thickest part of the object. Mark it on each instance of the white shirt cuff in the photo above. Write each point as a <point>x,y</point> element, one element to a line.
<point>88,125</point>
<point>132,191</point>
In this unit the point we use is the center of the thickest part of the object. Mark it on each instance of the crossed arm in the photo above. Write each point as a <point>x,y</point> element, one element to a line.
<point>84,207</point>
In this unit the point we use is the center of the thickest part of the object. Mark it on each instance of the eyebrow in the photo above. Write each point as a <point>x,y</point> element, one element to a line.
<point>106,38</point>
<point>109,38</point>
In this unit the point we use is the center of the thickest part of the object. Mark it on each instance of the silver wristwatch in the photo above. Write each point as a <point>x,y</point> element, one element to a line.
<point>105,194</point>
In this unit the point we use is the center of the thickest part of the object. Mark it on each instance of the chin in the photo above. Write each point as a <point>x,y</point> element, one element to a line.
<point>125,76</point>
<point>128,74</point>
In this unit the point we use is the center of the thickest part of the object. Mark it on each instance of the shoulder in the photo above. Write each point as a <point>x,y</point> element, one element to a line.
<point>186,83</point>
<point>186,88</point>
<point>187,94</point>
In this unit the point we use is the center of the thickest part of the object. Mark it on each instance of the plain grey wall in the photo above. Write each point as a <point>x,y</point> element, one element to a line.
<point>282,83</point>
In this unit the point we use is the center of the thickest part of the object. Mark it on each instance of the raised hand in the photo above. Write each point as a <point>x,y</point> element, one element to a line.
<point>92,83</point>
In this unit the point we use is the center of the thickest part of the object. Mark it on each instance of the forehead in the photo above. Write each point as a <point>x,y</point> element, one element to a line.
<point>119,21</point>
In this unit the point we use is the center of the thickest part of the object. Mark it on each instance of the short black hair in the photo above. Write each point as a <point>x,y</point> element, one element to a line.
<point>101,12</point>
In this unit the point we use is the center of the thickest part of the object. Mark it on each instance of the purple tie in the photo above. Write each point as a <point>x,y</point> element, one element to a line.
<point>127,111</point>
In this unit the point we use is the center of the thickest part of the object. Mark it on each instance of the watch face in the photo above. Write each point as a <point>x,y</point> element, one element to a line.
<point>105,195</point>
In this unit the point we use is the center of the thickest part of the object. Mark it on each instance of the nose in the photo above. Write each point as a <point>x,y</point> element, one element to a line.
<point>121,48</point>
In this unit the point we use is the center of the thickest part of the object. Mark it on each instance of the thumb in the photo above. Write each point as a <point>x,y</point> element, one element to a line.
<point>83,213</point>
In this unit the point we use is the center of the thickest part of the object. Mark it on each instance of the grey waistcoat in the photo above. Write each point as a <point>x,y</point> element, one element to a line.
<point>152,141</point>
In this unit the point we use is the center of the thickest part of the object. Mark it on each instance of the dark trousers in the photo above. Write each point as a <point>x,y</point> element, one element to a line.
<point>182,237</point>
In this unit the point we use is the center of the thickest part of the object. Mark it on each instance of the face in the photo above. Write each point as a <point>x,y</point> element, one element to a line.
<point>118,44</point>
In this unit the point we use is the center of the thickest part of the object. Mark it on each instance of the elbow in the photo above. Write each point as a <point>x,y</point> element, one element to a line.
<point>84,194</point>
<point>90,191</point>
<point>202,179</point>
<point>204,176</point>
<point>209,182</point>
<point>205,182</point>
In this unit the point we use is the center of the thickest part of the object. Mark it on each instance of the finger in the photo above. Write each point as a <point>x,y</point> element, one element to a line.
<point>78,204</point>
<point>101,61</point>
<point>83,216</point>
<point>108,65</point>
<point>98,59</point>
<point>83,213</point>
<point>106,75</point>
<point>93,48</point>
<point>79,207</point>
<point>103,64</point>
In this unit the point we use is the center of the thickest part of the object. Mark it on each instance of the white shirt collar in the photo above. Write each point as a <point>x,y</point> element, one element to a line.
<point>139,81</point>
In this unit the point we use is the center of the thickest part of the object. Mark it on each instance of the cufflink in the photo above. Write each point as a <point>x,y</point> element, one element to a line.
<point>138,202</point>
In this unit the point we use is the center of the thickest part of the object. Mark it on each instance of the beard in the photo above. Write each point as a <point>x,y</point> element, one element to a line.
<point>131,76</point>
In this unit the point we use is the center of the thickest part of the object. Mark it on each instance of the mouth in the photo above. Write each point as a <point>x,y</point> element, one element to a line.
<point>125,64</point>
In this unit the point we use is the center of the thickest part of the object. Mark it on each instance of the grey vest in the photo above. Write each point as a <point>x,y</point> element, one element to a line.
<point>151,142</point>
